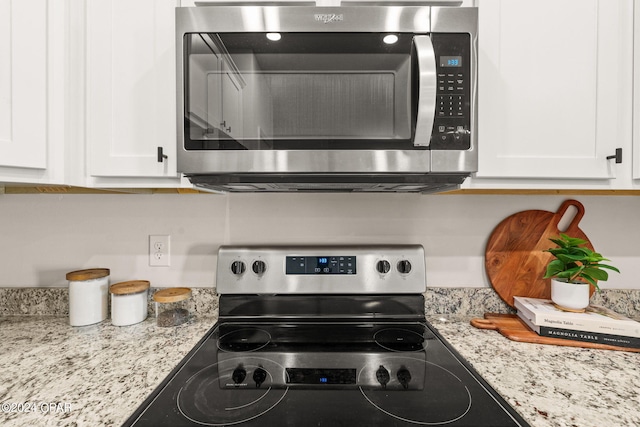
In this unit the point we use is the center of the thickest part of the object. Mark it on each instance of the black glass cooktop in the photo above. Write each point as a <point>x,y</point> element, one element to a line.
<point>323,374</point>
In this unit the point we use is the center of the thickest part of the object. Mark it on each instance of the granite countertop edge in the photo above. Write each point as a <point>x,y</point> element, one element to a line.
<point>467,301</point>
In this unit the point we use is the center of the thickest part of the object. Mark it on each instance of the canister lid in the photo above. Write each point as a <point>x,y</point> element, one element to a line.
<point>130,287</point>
<point>172,295</point>
<point>89,274</point>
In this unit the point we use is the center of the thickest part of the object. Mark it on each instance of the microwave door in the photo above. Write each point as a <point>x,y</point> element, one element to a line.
<point>427,80</point>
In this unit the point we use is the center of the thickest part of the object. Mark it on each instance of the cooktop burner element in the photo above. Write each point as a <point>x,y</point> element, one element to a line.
<point>316,356</point>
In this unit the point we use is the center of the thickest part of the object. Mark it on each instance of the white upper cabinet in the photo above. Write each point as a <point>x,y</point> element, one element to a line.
<point>555,90</point>
<point>32,102</point>
<point>130,90</point>
<point>636,98</point>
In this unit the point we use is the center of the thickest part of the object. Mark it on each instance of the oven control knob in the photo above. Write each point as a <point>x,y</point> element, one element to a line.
<point>383,266</point>
<point>238,267</point>
<point>259,375</point>
<point>382,375</point>
<point>259,267</point>
<point>404,266</point>
<point>239,374</point>
<point>404,376</point>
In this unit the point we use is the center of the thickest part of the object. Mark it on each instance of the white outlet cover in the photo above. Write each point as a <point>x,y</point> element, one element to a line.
<point>159,250</point>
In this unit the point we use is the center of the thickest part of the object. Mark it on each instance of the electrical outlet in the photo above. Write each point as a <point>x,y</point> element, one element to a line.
<point>159,250</point>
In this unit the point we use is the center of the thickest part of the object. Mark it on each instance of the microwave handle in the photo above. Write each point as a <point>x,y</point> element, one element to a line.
<point>427,81</point>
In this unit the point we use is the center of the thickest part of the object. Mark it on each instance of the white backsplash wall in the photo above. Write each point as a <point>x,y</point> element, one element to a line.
<point>44,236</point>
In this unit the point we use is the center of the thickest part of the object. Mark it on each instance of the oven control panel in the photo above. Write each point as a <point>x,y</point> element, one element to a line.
<point>323,264</point>
<point>367,269</point>
<point>402,371</point>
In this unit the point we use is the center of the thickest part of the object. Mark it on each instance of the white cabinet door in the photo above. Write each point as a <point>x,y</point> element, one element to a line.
<point>636,98</point>
<point>554,88</point>
<point>130,88</point>
<point>31,91</point>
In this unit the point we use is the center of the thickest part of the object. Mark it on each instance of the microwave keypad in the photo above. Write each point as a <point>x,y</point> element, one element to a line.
<point>450,105</point>
<point>450,82</point>
<point>451,129</point>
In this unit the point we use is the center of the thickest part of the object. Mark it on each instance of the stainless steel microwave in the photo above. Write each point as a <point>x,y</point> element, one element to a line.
<point>304,98</point>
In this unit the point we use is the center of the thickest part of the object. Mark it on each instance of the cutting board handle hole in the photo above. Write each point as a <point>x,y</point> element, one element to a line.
<point>567,218</point>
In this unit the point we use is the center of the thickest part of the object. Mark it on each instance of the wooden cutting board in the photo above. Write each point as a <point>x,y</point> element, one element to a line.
<point>515,260</point>
<point>510,326</point>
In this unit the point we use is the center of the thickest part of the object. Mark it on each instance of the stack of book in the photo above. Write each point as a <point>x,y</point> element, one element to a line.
<point>597,324</point>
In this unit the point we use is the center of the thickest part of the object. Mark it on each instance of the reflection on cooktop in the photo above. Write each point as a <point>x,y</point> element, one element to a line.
<point>444,400</point>
<point>399,339</point>
<point>204,400</point>
<point>324,336</point>
<point>244,339</point>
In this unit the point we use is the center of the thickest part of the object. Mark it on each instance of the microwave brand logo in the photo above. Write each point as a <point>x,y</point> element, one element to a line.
<point>329,17</point>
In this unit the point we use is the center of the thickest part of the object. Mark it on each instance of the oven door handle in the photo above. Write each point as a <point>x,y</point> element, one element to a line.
<point>427,81</point>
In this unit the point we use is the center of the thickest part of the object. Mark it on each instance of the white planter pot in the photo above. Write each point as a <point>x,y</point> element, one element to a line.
<point>570,296</point>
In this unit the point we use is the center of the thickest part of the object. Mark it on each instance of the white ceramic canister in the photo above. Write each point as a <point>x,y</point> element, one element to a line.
<point>129,302</point>
<point>88,296</point>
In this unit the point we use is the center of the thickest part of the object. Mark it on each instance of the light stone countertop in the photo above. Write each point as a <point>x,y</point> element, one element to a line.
<point>552,385</point>
<point>98,375</point>
<point>102,372</point>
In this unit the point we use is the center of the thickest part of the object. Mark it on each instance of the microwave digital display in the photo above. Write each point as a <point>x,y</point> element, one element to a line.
<point>451,61</point>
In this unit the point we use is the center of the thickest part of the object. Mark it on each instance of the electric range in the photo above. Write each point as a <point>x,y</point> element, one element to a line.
<point>323,336</point>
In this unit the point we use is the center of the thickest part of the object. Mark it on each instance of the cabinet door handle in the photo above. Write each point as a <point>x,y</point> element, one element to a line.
<point>161,155</point>
<point>617,156</point>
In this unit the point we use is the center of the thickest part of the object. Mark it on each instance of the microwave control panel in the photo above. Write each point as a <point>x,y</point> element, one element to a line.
<point>452,123</point>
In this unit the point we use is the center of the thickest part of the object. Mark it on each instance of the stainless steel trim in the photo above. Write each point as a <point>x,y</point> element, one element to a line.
<point>455,20</point>
<point>426,90</point>
<point>305,161</point>
<point>378,183</point>
<point>367,280</point>
<point>315,3</point>
<point>402,2</point>
<point>220,19</point>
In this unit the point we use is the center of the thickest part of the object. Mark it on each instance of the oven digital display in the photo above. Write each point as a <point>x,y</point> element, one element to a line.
<point>320,376</point>
<point>321,264</point>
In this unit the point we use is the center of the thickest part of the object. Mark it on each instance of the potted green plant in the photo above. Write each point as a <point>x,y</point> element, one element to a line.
<point>572,272</point>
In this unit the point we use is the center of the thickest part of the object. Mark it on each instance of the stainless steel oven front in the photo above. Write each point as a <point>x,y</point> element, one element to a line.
<point>284,92</point>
